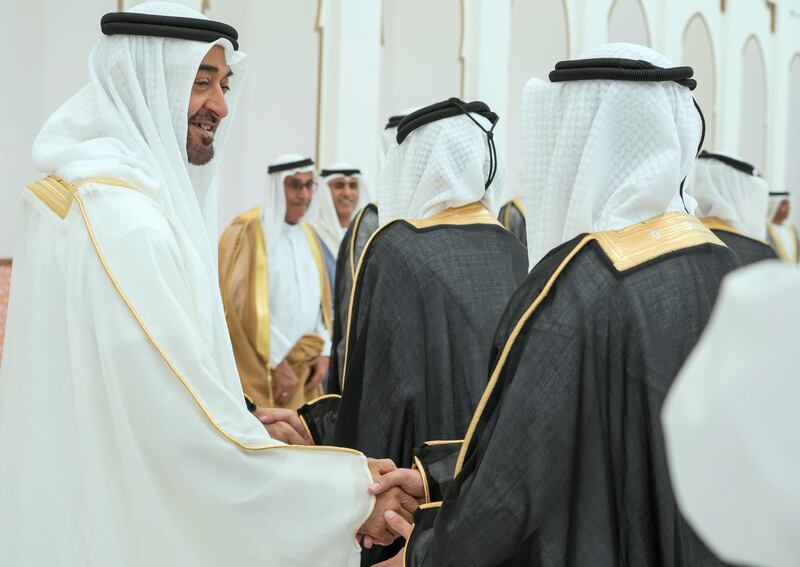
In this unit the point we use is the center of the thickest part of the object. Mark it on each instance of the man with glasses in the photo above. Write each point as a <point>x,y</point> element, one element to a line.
<point>276,292</point>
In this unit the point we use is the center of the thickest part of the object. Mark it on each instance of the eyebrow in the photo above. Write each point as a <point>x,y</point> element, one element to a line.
<point>213,69</point>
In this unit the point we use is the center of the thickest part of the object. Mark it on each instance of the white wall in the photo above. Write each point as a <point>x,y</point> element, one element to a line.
<point>539,38</point>
<point>627,23</point>
<point>277,111</point>
<point>380,56</point>
<point>753,110</point>
<point>698,53</point>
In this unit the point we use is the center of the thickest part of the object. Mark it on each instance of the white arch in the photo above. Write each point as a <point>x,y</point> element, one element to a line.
<point>753,138</point>
<point>627,22</point>
<point>421,54</point>
<point>539,39</point>
<point>793,135</point>
<point>698,52</point>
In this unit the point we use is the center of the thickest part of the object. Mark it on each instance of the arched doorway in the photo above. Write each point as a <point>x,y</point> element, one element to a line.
<point>753,123</point>
<point>539,39</point>
<point>627,22</point>
<point>698,52</point>
<point>793,137</point>
<point>420,53</point>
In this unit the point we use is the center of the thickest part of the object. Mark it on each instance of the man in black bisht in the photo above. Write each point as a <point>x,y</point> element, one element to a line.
<point>429,291</point>
<point>563,463</point>
<point>732,202</point>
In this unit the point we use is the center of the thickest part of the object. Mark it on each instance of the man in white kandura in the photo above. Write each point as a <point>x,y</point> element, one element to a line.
<point>276,292</point>
<point>342,194</point>
<point>123,431</point>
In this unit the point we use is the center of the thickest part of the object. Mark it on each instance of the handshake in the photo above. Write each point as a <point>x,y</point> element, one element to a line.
<point>397,492</point>
<point>397,496</point>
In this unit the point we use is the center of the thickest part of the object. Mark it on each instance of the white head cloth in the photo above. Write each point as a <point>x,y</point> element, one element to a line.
<point>322,214</point>
<point>145,414</point>
<point>387,140</point>
<point>130,122</point>
<point>273,212</point>
<point>602,155</point>
<point>440,165</point>
<point>773,203</point>
<point>731,421</point>
<point>734,196</point>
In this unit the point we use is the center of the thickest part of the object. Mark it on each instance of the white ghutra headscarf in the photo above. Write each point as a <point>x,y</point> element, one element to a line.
<point>601,154</point>
<point>322,214</point>
<point>273,211</point>
<point>734,196</point>
<point>440,165</point>
<point>116,326</point>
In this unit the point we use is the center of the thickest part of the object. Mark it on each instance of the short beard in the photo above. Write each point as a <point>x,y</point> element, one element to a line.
<point>202,153</point>
<point>199,154</point>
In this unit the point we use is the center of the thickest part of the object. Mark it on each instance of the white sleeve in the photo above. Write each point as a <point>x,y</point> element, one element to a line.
<point>202,469</point>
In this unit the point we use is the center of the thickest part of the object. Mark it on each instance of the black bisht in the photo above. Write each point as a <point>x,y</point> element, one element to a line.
<point>749,250</point>
<point>355,238</point>
<point>566,466</point>
<point>426,305</point>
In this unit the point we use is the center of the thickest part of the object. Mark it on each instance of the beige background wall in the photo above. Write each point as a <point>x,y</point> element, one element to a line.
<point>325,74</point>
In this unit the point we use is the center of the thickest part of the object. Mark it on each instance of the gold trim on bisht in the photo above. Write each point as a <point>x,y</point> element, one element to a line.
<point>626,248</point>
<point>644,241</point>
<point>57,193</point>
<point>324,284</point>
<point>353,237</point>
<point>507,211</point>
<point>167,361</point>
<point>473,213</point>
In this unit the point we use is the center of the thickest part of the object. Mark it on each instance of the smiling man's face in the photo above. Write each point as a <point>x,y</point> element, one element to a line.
<point>207,106</point>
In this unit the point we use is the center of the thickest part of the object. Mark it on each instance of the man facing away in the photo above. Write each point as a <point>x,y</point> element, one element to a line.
<point>732,201</point>
<point>276,291</point>
<point>364,223</point>
<point>564,463</point>
<point>429,290</point>
<point>142,451</point>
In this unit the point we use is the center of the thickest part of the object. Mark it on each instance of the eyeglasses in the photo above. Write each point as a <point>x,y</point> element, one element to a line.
<point>296,185</point>
<point>341,184</point>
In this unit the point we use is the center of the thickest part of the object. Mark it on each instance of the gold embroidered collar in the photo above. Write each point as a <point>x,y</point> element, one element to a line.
<point>647,240</point>
<point>473,213</point>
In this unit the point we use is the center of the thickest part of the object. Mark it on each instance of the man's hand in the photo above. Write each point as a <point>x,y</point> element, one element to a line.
<point>283,425</point>
<point>391,498</point>
<point>400,526</point>
<point>320,365</point>
<point>409,480</point>
<point>284,382</point>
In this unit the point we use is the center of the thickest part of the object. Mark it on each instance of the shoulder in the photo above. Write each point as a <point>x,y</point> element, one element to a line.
<point>246,222</point>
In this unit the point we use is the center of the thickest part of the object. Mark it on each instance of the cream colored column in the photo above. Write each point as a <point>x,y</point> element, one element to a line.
<point>350,79</point>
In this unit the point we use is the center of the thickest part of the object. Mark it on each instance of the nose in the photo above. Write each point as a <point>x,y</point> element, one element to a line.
<point>216,103</point>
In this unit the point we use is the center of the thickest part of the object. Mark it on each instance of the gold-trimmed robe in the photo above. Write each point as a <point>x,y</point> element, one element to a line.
<point>244,284</point>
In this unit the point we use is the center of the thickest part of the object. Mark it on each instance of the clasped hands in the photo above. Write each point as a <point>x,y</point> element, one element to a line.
<point>398,492</point>
<point>285,382</point>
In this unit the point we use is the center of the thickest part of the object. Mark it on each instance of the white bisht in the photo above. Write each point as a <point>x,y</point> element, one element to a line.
<point>731,421</point>
<point>734,196</point>
<point>123,432</point>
